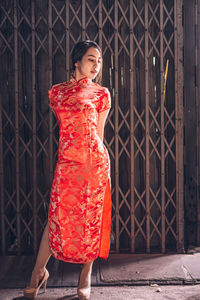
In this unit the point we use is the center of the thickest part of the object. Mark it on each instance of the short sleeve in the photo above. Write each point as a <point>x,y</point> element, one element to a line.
<point>104,101</point>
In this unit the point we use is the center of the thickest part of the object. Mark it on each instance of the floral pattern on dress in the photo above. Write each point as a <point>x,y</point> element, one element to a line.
<point>79,230</point>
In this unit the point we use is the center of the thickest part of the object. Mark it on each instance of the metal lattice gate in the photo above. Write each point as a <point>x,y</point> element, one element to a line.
<point>143,131</point>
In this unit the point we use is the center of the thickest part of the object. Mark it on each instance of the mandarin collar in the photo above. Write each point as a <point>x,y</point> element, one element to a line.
<point>82,81</point>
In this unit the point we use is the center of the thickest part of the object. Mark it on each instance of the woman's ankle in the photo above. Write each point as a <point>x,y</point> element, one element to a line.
<point>39,270</point>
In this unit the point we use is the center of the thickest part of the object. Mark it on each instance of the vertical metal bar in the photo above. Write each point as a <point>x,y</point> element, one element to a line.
<point>198,113</point>
<point>100,23</point>
<point>178,40</point>
<point>34,131</point>
<point>162,132</point>
<point>50,84</point>
<point>16,70</point>
<point>83,20</point>
<point>132,128</point>
<point>147,127</point>
<point>3,242</point>
<point>67,51</point>
<point>100,32</point>
<point>116,126</point>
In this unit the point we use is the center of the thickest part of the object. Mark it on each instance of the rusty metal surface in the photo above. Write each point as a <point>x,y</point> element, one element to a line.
<point>144,131</point>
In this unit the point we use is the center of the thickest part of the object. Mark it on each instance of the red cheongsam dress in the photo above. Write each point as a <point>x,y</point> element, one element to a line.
<point>80,204</point>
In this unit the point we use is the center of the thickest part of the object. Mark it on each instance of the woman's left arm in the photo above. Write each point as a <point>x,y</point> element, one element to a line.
<point>102,116</point>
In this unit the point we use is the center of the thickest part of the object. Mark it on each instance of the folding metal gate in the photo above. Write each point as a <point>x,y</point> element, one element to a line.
<point>144,133</point>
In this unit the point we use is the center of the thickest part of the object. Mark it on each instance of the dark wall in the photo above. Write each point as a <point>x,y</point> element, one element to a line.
<point>191,121</point>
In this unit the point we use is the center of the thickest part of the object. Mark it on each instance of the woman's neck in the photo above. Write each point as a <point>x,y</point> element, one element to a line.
<point>78,76</point>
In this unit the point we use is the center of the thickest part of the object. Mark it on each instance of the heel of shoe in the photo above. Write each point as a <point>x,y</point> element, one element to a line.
<point>45,286</point>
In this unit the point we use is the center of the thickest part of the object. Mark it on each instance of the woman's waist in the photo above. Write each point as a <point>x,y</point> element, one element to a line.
<point>83,154</point>
<point>77,140</point>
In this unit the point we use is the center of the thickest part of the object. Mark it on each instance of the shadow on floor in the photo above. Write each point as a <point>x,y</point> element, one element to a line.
<point>68,297</point>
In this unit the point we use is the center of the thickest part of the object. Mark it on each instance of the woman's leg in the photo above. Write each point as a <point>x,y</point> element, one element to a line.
<point>85,276</point>
<point>43,256</point>
<point>84,286</point>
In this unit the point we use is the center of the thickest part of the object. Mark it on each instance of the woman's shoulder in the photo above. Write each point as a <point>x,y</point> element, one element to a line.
<point>102,89</point>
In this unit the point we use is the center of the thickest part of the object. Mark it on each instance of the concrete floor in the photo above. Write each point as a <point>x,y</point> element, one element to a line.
<point>123,277</point>
<point>135,270</point>
<point>190,292</point>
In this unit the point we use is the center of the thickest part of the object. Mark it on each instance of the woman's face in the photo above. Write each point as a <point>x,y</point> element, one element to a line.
<point>90,64</point>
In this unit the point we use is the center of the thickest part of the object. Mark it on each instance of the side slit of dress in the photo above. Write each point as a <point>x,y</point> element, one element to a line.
<point>106,223</point>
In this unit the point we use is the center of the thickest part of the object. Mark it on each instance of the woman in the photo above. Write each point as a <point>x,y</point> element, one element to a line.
<point>78,229</point>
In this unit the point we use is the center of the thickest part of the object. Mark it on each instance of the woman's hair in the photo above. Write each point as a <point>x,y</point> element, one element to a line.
<point>79,51</point>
